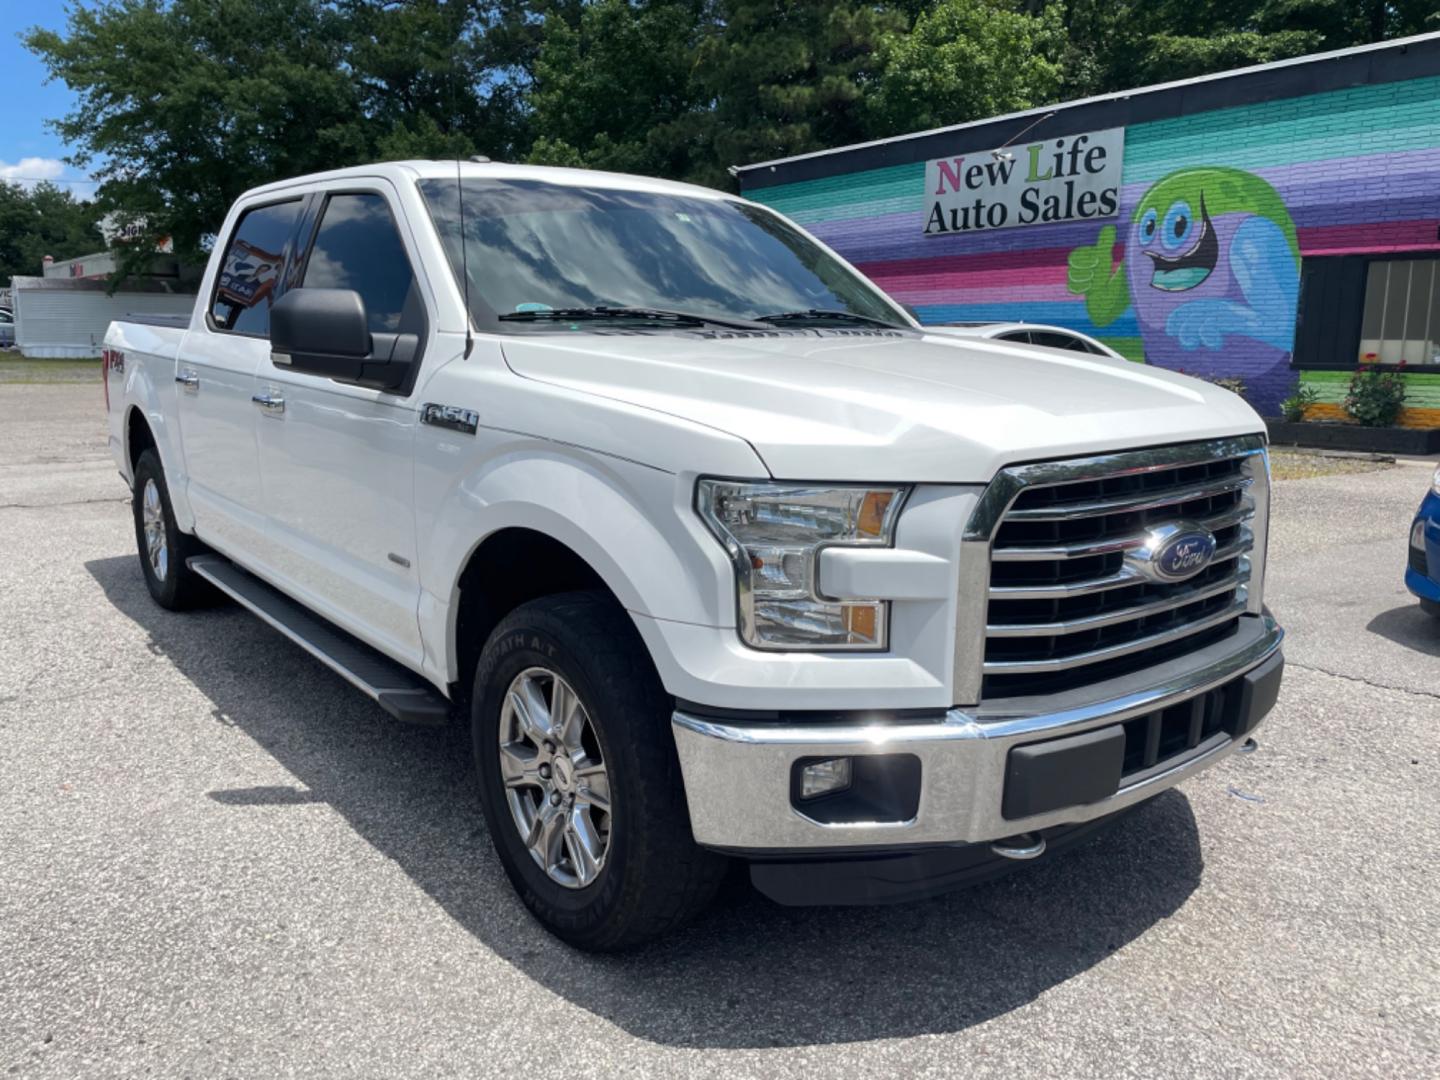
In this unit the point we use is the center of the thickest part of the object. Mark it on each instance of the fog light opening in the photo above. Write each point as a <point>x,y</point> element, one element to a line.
<point>825,777</point>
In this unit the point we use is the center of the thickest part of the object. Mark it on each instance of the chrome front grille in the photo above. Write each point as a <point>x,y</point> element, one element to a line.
<point>1066,607</point>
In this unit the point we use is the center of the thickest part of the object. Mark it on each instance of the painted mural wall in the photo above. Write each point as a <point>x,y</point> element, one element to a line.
<point>1200,271</point>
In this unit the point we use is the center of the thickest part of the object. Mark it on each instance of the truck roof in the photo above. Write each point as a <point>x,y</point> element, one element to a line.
<point>410,171</point>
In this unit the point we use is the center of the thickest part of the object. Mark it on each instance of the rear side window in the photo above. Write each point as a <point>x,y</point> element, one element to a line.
<point>254,261</point>
<point>1052,340</point>
<point>358,247</point>
<point>1018,335</point>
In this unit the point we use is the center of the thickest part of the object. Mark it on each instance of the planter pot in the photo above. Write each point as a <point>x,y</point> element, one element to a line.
<point>1388,440</point>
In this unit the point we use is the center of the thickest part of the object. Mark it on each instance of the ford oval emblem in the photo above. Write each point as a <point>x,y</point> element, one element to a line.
<point>1172,552</point>
<point>1185,554</point>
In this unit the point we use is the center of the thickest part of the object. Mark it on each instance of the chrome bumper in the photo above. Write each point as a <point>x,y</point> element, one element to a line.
<point>738,776</point>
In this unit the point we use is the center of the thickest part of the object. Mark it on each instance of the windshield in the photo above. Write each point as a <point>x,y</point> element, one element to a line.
<point>534,247</point>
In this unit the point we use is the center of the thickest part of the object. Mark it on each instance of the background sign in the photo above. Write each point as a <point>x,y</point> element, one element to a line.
<point>1071,178</point>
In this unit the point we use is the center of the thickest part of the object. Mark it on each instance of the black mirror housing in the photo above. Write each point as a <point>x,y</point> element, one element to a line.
<point>321,331</point>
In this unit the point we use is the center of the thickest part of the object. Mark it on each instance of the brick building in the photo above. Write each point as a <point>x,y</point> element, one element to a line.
<point>1276,224</point>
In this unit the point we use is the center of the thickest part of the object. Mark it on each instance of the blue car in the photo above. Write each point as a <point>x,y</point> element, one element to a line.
<point>1422,576</point>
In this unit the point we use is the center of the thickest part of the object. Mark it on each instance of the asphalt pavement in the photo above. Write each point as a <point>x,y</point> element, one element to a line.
<point>217,860</point>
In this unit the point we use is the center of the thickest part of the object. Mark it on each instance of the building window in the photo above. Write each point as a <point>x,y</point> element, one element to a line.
<point>1402,312</point>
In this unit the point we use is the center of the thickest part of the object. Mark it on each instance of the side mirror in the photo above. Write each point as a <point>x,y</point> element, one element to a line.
<point>327,332</point>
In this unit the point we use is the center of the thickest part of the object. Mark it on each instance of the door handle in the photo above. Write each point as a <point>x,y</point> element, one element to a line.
<point>188,379</point>
<point>273,403</point>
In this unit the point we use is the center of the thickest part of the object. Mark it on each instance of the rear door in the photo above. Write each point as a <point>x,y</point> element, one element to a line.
<point>336,458</point>
<point>215,378</point>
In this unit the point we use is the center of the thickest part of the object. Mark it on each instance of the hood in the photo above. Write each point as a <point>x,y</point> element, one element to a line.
<point>904,407</point>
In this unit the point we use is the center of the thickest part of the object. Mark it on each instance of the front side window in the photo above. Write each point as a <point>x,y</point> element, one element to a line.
<point>358,247</point>
<point>532,247</point>
<point>252,268</point>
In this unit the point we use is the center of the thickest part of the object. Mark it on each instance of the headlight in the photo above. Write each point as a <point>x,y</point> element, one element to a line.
<point>774,534</point>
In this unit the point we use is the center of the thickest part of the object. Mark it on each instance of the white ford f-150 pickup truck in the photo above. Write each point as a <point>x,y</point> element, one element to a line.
<point>718,552</point>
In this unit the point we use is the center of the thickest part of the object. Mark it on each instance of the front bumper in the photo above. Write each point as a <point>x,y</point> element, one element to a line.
<point>1072,765</point>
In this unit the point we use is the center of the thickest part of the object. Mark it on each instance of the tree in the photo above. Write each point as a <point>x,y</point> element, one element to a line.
<point>966,60</point>
<point>186,104</point>
<point>45,220</point>
<point>789,76</point>
<point>1120,44</point>
<point>619,90</point>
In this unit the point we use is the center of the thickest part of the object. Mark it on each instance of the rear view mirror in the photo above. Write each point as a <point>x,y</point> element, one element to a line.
<point>320,324</point>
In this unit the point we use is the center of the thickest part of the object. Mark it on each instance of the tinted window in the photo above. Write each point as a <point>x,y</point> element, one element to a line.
<point>252,268</point>
<point>1052,340</point>
<point>358,247</point>
<point>1018,335</point>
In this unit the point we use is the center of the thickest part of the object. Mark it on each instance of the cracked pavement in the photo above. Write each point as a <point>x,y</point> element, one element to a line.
<point>216,859</point>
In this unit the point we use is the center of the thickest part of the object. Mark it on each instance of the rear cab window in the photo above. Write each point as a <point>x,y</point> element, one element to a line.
<point>1054,340</point>
<point>252,269</point>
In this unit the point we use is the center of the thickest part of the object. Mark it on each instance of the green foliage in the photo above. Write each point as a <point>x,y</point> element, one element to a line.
<point>966,60</point>
<point>618,91</point>
<point>1376,396</point>
<point>186,104</point>
<point>183,104</point>
<point>45,220</point>
<point>1293,407</point>
<point>790,76</point>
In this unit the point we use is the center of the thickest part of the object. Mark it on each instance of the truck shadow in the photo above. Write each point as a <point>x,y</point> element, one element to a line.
<point>749,974</point>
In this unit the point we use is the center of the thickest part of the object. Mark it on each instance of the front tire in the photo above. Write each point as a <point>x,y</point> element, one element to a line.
<point>164,549</point>
<point>579,777</point>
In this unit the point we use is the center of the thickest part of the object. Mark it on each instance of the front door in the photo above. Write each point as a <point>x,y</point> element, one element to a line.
<point>336,459</point>
<point>215,380</point>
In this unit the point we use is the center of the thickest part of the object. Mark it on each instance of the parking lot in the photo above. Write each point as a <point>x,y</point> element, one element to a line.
<point>216,859</point>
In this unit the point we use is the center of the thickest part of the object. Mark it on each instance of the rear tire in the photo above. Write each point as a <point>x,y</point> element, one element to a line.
<point>1430,607</point>
<point>594,779</point>
<point>163,547</point>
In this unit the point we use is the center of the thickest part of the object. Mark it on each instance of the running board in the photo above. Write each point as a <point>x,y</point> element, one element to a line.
<point>396,689</point>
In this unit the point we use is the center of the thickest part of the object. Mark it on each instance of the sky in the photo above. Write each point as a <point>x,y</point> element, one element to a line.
<point>28,149</point>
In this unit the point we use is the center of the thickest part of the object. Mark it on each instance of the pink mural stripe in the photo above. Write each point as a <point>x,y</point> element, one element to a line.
<point>985,263</point>
<point>991,278</point>
<point>1375,236</point>
<point>1014,294</point>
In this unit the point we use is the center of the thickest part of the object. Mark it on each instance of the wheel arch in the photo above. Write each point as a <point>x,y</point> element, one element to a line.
<point>138,437</point>
<point>511,566</point>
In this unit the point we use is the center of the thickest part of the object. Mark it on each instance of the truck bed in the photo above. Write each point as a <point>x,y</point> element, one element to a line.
<point>171,322</point>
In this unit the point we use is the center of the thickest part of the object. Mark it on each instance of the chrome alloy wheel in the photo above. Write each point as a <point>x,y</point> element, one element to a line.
<point>555,779</point>
<point>153,518</point>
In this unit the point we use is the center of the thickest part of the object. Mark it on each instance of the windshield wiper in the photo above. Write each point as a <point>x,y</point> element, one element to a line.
<point>675,318</point>
<point>820,315</point>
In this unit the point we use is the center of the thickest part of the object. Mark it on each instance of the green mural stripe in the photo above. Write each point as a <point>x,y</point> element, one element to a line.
<point>1342,123</point>
<point>1132,348</point>
<point>1422,390</point>
<point>830,193</point>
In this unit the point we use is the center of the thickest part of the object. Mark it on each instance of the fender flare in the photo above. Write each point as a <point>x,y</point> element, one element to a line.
<point>656,563</point>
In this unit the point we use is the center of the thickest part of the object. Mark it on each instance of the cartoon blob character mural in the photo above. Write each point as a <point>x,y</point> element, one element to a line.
<point>1212,266</point>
